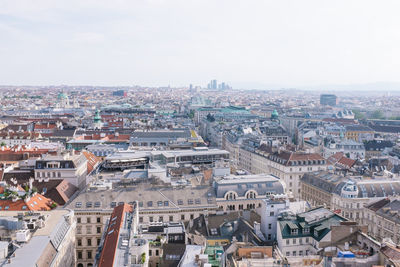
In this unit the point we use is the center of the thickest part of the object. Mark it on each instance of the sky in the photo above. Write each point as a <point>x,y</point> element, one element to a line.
<point>249,43</point>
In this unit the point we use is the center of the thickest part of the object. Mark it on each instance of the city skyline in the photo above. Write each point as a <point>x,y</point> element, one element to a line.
<point>159,43</point>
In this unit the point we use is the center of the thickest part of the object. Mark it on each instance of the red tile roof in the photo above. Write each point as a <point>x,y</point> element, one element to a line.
<point>112,236</point>
<point>346,162</point>
<point>36,203</point>
<point>92,161</point>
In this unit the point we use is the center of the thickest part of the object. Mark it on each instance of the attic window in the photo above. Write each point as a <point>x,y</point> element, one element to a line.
<point>24,207</point>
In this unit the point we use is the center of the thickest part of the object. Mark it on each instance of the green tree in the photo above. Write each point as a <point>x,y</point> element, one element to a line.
<point>143,258</point>
<point>358,115</point>
<point>191,114</point>
<point>377,114</point>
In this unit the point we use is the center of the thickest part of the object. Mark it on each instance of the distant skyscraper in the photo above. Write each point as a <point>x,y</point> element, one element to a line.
<point>214,84</point>
<point>327,99</point>
<point>120,93</point>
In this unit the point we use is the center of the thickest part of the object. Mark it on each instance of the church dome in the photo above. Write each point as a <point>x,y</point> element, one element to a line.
<point>62,96</point>
<point>274,115</point>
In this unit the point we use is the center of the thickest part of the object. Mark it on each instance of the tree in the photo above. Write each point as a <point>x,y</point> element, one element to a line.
<point>358,115</point>
<point>191,114</point>
<point>377,114</point>
<point>3,144</point>
<point>143,257</point>
<point>210,118</point>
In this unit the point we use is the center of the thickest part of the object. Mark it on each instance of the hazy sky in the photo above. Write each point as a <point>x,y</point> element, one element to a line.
<point>156,43</point>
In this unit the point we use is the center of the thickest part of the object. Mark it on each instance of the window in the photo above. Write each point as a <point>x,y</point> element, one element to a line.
<point>89,254</point>
<point>98,219</point>
<point>151,219</point>
<point>287,242</point>
<point>79,241</point>
<point>161,219</point>
<point>191,216</point>
<point>98,229</point>
<point>88,229</point>
<point>159,203</point>
<point>183,217</point>
<point>287,253</point>
<point>294,241</point>
<point>157,252</point>
<point>271,213</point>
<point>294,253</point>
<point>171,218</point>
<point>88,220</point>
<point>150,252</point>
<point>78,220</point>
<point>79,254</point>
<point>89,242</point>
<point>150,204</point>
<point>166,203</point>
<point>141,219</point>
<point>98,241</point>
<point>269,226</point>
<point>269,236</point>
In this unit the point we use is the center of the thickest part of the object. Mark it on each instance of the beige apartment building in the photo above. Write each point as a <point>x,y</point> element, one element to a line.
<point>155,204</point>
<point>383,219</point>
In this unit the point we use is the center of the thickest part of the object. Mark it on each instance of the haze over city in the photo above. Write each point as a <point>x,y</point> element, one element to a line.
<point>251,45</point>
<point>188,133</point>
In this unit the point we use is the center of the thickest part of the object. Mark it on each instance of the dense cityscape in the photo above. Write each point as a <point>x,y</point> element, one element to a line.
<point>211,133</point>
<point>198,176</point>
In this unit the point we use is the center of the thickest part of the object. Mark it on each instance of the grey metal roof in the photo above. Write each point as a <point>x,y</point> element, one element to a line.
<point>148,197</point>
<point>162,134</point>
<point>243,183</point>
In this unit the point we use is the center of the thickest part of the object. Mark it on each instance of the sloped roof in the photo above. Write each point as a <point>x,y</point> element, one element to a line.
<point>111,240</point>
<point>35,203</point>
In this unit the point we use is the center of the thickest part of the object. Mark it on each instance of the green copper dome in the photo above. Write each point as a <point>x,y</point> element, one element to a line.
<point>97,117</point>
<point>274,115</point>
<point>62,96</point>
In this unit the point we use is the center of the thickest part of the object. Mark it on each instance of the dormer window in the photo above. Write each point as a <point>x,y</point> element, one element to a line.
<point>294,231</point>
<point>306,230</point>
